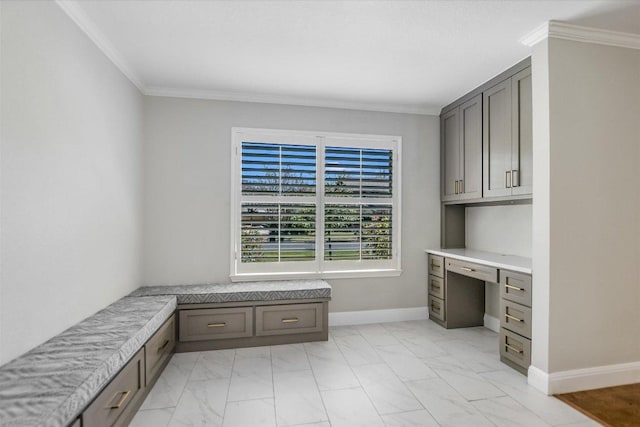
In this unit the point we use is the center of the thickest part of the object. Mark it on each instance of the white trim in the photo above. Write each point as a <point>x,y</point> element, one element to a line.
<point>85,24</point>
<point>219,95</point>
<point>363,317</point>
<point>492,323</point>
<point>538,379</point>
<point>345,274</point>
<point>563,30</point>
<point>584,379</point>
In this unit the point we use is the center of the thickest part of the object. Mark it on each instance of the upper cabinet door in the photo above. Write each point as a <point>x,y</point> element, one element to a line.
<point>470,186</point>
<point>497,140</point>
<point>522,137</point>
<point>450,175</point>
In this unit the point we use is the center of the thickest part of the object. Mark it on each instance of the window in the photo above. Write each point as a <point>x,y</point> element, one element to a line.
<point>310,204</point>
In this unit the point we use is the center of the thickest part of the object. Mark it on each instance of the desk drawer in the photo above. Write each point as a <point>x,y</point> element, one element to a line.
<point>436,308</point>
<point>113,402</point>
<point>436,265</point>
<point>216,323</point>
<point>477,271</point>
<point>436,286</point>
<point>289,319</point>
<point>159,348</point>
<point>515,287</point>
<point>515,348</point>
<point>515,317</point>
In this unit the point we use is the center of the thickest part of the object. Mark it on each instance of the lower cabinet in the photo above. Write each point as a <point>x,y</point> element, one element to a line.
<point>218,326</point>
<point>118,401</point>
<point>288,319</point>
<point>515,350</point>
<point>515,320</point>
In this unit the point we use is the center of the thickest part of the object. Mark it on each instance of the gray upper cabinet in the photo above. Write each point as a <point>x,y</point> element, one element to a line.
<point>507,150</point>
<point>522,135</point>
<point>462,151</point>
<point>450,130</point>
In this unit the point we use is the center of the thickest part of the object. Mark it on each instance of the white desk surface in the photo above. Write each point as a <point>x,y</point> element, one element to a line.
<point>507,262</point>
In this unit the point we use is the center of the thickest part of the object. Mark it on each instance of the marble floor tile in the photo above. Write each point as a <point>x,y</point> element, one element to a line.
<point>587,423</point>
<point>343,331</point>
<point>476,360</point>
<point>292,357</point>
<point>322,424</point>
<point>423,347</point>
<point>469,384</point>
<point>446,405</point>
<point>330,367</point>
<point>213,365</point>
<point>356,350</point>
<point>385,390</point>
<point>250,413</point>
<point>350,408</point>
<point>506,412</point>
<point>168,389</point>
<point>251,377</point>
<point>152,418</point>
<point>420,418</point>
<point>404,363</point>
<point>550,409</point>
<point>202,404</point>
<point>377,335</point>
<point>297,398</point>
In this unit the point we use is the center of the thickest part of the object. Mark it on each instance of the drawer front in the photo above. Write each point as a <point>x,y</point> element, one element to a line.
<point>216,323</point>
<point>289,319</point>
<point>515,317</point>
<point>436,286</point>
<point>122,391</point>
<point>436,265</point>
<point>477,271</point>
<point>515,348</point>
<point>159,348</point>
<point>515,287</point>
<point>436,308</point>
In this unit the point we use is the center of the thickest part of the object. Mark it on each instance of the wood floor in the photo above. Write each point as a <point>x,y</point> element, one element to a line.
<point>611,406</point>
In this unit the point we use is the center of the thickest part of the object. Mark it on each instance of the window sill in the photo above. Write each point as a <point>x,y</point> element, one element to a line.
<point>342,274</point>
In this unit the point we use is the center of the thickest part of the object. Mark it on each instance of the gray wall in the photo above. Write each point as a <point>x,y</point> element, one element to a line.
<point>187,191</point>
<point>71,177</point>
<point>592,238</point>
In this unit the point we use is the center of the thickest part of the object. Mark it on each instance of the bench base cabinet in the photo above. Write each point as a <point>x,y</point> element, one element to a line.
<point>118,402</point>
<point>260,324</point>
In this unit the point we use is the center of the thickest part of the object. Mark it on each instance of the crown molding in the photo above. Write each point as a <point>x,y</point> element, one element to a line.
<point>81,19</point>
<point>563,30</point>
<point>287,100</point>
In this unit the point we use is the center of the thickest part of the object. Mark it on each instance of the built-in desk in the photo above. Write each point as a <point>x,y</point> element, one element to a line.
<point>456,296</point>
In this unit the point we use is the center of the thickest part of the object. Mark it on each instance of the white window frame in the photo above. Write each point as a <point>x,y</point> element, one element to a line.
<point>319,268</point>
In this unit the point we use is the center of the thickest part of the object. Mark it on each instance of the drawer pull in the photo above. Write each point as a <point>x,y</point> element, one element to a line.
<point>467,269</point>
<point>435,308</point>
<point>433,265</point>
<point>434,286</point>
<point>163,346</point>
<point>123,398</point>
<point>508,316</point>
<point>216,325</point>
<point>517,350</point>
<point>291,320</point>
<point>514,287</point>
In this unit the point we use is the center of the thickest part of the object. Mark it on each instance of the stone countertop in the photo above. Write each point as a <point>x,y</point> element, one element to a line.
<point>241,292</point>
<point>507,262</point>
<point>51,384</point>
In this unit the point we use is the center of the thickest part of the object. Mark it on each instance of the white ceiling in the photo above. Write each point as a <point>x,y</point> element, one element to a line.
<point>406,56</point>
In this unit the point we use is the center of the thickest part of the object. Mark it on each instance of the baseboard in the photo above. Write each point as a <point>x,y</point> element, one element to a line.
<point>363,317</point>
<point>584,379</point>
<point>492,323</point>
